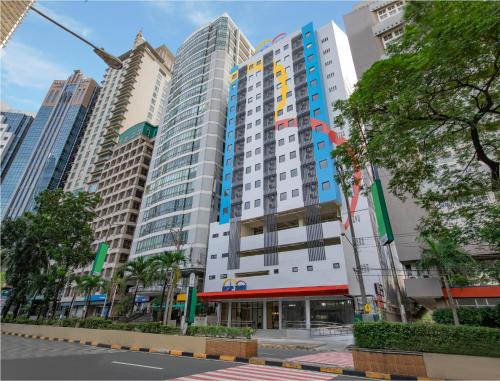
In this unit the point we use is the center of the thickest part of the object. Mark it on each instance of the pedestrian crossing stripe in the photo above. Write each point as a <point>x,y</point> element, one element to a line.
<point>257,372</point>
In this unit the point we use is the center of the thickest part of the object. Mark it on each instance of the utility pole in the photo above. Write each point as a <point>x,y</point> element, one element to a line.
<point>353,237</point>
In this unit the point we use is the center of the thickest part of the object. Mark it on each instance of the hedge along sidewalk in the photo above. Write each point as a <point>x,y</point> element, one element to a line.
<point>428,337</point>
<point>145,327</point>
<point>252,360</point>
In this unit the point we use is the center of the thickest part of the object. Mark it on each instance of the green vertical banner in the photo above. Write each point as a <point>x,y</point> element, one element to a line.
<point>381,214</point>
<point>191,305</point>
<point>100,257</point>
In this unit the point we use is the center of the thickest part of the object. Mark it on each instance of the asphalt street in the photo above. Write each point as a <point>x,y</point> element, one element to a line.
<point>34,359</point>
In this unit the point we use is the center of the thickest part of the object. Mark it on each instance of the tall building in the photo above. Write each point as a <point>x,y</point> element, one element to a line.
<point>371,27</point>
<point>280,255</point>
<point>121,188</point>
<point>12,13</point>
<point>43,158</point>
<point>131,95</point>
<point>13,128</point>
<point>183,185</point>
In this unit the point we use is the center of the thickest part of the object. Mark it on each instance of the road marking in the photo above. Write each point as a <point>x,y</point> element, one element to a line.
<point>142,366</point>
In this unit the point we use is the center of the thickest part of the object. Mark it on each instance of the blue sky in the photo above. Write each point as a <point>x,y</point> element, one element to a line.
<point>39,52</point>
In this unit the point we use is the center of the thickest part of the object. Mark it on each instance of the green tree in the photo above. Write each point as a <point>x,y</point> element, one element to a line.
<point>140,269</point>
<point>453,265</point>
<point>61,223</point>
<point>20,260</point>
<point>87,284</point>
<point>163,267</point>
<point>431,112</point>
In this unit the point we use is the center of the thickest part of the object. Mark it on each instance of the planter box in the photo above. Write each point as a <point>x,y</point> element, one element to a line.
<point>392,362</point>
<point>234,347</point>
<point>433,365</point>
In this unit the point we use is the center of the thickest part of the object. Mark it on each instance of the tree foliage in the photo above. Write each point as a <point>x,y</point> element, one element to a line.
<point>429,113</point>
<point>43,247</point>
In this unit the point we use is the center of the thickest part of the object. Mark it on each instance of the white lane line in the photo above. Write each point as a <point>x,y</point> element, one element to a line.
<point>142,366</point>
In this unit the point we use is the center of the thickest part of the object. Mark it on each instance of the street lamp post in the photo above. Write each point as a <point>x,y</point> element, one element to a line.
<point>110,60</point>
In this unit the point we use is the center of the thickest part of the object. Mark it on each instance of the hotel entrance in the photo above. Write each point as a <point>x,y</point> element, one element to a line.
<point>286,313</point>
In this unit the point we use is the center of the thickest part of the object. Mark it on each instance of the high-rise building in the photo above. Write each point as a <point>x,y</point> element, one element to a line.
<point>13,128</point>
<point>131,95</point>
<point>43,158</point>
<point>121,188</point>
<point>371,27</point>
<point>280,255</point>
<point>183,185</point>
<point>12,13</point>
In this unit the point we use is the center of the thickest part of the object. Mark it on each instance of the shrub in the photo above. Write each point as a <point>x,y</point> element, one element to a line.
<point>437,338</point>
<point>219,331</point>
<point>482,316</point>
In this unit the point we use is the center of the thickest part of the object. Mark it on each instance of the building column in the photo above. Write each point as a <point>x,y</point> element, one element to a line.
<point>264,314</point>
<point>229,307</point>
<point>308,314</point>
<point>280,314</point>
<point>219,312</point>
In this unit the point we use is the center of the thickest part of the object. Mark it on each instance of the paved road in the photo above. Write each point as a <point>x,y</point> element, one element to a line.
<point>33,359</point>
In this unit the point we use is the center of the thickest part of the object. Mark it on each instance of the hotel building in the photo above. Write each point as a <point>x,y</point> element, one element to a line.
<point>280,255</point>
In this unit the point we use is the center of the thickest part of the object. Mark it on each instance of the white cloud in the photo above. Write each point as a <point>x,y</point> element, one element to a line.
<point>25,66</point>
<point>67,21</point>
<point>196,13</point>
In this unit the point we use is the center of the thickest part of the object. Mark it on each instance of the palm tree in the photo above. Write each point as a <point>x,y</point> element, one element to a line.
<point>163,267</point>
<point>450,261</point>
<point>78,280</point>
<point>116,284</point>
<point>140,270</point>
<point>88,284</point>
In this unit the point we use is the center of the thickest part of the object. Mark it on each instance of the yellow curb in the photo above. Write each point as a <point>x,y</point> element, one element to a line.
<point>52,339</point>
<point>82,342</point>
<point>176,353</point>
<point>152,350</point>
<point>383,376</point>
<point>94,343</point>
<point>227,358</point>
<point>60,339</point>
<point>116,346</point>
<point>42,337</point>
<point>292,365</point>
<point>257,361</point>
<point>200,355</point>
<point>134,348</point>
<point>331,370</point>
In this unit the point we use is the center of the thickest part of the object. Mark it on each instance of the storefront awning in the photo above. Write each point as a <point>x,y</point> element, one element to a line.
<point>342,289</point>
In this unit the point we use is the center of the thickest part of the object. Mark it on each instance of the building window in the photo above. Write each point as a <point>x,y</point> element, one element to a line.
<point>249,112</point>
<point>283,176</point>
<point>215,235</point>
<point>276,271</point>
<point>225,255</point>
<point>229,147</point>
<point>291,123</point>
<point>224,211</point>
<point>258,108</point>
<point>336,265</point>
<point>248,154</point>
<point>223,276</point>
<point>249,139</point>
<point>247,205</point>
<point>257,122</point>
<point>315,97</point>
<point>247,186</point>
<point>291,138</point>
<point>310,57</point>
<point>312,69</point>
<point>325,185</point>
<point>317,112</point>
<point>225,233</point>
<point>280,112</point>
<point>250,100</point>
<point>323,164</point>
<point>295,193</point>
<point>323,40</point>
<point>295,269</point>
<point>211,277</point>
<point>258,136</point>
<point>282,158</point>
<point>293,155</point>
<point>321,145</point>
<point>281,142</point>
<point>258,85</point>
<point>258,166</point>
<point>293,172</point>
<point>248,169</point>
<point>313,83</point>
<point>257,183</point>
<point>256,203</point>
<point>258,150</point>
<point>309,268</point>
<point>283,196</point>
<point>289,108</point>
<point>213,256</point>
<point>249,126</point>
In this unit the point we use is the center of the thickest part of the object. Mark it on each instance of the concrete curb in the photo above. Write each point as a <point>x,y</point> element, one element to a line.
<point>252,360</point>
